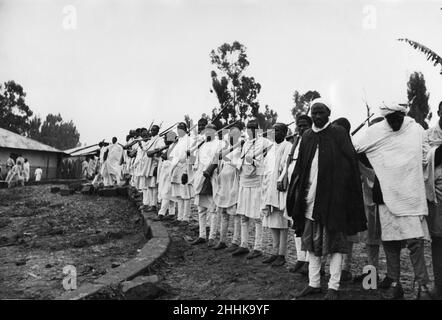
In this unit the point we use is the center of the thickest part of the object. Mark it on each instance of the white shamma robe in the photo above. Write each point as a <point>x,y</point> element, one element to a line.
<point>397,159</point>
<point>274,201</point>
<point>251,174</point>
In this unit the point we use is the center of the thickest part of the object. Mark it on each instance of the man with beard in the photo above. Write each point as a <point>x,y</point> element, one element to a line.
<point>395,148</point>
<point>325,197</point>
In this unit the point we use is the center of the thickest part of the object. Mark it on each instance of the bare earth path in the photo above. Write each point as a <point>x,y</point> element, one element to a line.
<point>41,232</point>
<point>196,272</point>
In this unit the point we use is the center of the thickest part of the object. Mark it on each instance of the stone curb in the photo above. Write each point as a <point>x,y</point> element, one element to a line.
<point>157,244</point>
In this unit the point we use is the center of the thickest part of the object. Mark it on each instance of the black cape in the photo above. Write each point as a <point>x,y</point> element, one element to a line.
<point>339,204</point>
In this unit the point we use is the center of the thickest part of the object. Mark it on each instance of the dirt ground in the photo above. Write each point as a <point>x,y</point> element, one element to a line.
<point>41,232</point>
<point>196,272</point>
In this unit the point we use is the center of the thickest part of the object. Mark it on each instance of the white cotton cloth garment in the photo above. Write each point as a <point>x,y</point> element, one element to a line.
<point>112,167</point>
<point>313,178</point>
<point>152,162</point>
<point>397,159</point>
<point>393,107</point>
<point>226,181</point>
<point>251,174</point>
<point>273,200</point>
<point>311,186</point>
<point>397,228</point>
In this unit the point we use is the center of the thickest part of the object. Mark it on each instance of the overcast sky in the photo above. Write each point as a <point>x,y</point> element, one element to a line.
<point>128,62</point>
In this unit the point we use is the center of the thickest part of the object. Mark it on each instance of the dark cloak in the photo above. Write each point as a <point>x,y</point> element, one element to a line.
<point>339,204</point>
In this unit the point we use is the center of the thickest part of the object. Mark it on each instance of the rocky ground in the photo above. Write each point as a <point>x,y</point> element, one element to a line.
<point>196,272</point>
<point>41,232</point>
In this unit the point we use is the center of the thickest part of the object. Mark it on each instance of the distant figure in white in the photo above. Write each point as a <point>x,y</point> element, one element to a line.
<point>27,170</point>
<point>112,164</point>
<point>38,173</point>
<point>16,175</point>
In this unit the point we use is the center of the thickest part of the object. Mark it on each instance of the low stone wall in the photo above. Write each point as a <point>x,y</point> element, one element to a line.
<point>115,284</point>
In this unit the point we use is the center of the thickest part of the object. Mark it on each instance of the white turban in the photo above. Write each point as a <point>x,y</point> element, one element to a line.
<point>321,101</point>
<point>393,107</point>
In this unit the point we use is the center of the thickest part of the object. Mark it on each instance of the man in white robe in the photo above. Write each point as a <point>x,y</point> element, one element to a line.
<point>274,195</point>
<point>98,179</point>
<point>140,162</point>
<point>150,193</point>
<point>394,147</point>
<point>84,168</point>
<point>164,180</point>
<point>203,196</point>
<point>27,170</point>
<point>182,190</point>
<point>249,201</point>
<point>112,165</point>
<point>226,188</point>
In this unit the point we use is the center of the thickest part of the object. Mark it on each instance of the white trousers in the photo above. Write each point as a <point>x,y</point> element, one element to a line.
<point>300,254</point>
<point>150,196</point>
<point>167,205</point>
<point>245,233</point>
<point>183,209</point>
<point>236,239</point>
<point>205,217</point>
<point>215,223</point>
<point>314,270</point>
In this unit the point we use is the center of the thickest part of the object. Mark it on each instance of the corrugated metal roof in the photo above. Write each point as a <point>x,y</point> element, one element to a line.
<point>9,139</point>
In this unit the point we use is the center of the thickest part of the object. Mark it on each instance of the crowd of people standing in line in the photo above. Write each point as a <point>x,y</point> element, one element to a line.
<point>382,187</point>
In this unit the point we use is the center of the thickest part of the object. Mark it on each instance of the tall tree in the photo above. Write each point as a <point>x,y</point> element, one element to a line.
<point>34,128</point>
<point>301,102</point>
<point>267,119</point>
<point>59,134</point>
<point>418,98</point>
<point>236,92</point>
<point>14,112</point>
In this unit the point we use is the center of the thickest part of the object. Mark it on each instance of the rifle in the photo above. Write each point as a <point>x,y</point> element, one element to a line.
<point>361,125</point>
<point>81,149</point>
<point>168,129</point>
<point>216,133</point>
<point>219,114</point>
<point>150,127</point>
<point>285,179</point>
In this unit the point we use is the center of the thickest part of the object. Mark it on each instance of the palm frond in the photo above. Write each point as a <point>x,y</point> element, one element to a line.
<point>431,55</point>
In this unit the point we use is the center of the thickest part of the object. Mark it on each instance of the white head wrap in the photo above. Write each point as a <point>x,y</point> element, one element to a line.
<point>393,107</point>
<point>322,101</point>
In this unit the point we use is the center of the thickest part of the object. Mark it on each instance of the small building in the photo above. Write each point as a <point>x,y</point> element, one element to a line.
<point>37,153</point>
